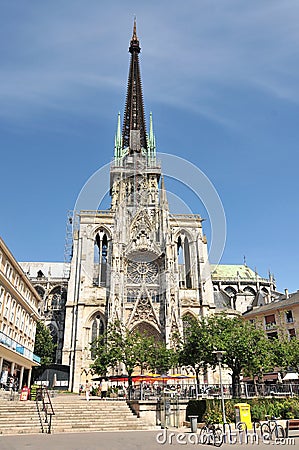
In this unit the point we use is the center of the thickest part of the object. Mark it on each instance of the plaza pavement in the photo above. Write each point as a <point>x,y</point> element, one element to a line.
<point>121,440</point>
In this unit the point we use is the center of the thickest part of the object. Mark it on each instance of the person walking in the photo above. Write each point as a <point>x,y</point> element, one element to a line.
<point>104,388</point>
<point>87,390</point>
<point>11,387</point>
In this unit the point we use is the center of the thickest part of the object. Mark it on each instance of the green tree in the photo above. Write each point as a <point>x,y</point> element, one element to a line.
<point>44,347</point>
<point>120,345</point>
<point>159,358</point>
<point>197,346</point>
<point>247,350</point>
<point>293,351</point>
<point>287,353</point>
<point>133,349</point>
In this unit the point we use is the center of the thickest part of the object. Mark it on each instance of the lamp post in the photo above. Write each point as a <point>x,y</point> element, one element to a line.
<point>219,355</point>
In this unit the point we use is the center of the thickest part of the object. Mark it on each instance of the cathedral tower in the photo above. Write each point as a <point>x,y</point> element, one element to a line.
<point>135,262</point>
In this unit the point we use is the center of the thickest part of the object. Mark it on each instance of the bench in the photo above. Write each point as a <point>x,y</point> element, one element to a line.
<point>292,424</point>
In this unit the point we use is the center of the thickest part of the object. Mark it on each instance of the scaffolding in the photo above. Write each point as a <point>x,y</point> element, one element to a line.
<point>72,224</point>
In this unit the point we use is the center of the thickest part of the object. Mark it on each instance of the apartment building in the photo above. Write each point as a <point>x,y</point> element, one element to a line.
<point>279,317</point>
<point>19,313</point>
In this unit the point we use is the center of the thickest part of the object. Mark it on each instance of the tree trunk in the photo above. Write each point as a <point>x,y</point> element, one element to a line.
<point>197,381</point>
<point>130,384</point>
<point>236,386</point>
<point>255,387</point>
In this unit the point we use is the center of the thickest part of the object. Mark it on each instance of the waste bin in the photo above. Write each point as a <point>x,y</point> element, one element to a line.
<point>193,423</point>
<point>243,414</point>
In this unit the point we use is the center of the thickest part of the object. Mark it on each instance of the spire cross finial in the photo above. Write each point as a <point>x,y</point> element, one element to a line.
<point>134,44</point>
<point>134,37</point>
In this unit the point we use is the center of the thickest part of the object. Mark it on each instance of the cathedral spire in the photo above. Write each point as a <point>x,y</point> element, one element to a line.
<point>152,139</point>
<point>118,139</point>
<point>134,130</point>
<point>163,196</point>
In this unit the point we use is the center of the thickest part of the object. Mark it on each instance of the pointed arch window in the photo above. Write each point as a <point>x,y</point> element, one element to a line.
<point>188,318</point>
<point>101,258</point>
<point>183,251</point>
<point>97,330</point>
<point>57,298</point>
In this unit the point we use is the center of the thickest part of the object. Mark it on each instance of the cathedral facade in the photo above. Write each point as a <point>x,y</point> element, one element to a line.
<point>136,262</point>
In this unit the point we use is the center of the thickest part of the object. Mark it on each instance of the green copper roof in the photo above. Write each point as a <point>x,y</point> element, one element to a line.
<point>232,271</point>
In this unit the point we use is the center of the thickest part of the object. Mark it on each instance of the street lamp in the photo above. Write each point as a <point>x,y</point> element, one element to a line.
<point>219,355</point>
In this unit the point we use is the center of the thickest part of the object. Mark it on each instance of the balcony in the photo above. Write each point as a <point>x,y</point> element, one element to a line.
<point>17,347</point>
<point>270,326</point>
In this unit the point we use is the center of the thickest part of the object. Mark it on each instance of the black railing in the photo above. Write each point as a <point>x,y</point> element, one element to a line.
<point>153,391</point>
<point>45,409</point>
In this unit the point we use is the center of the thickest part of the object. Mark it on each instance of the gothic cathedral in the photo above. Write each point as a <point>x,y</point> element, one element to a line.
<point>135,262</point>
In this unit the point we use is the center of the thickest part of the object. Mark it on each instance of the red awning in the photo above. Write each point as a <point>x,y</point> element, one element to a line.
<point>273,376</point>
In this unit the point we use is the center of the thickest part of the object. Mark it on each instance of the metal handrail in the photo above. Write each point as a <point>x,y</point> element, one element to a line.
<point>42,394</point>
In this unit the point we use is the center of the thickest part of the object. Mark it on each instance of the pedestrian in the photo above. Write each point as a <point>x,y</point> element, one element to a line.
<point>11,386</point>
<point>87,390</point>
<point>104,388</point>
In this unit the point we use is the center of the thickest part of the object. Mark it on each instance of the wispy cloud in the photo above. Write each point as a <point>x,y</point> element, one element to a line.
<point>190,54</point>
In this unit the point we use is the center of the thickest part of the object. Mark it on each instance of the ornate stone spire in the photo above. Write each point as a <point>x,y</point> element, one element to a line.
<point>151,139</point>
<point>117,140</point>
<point>163,196</point>
<point>134,130</point>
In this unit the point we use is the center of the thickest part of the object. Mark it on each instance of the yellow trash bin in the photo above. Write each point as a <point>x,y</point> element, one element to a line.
<point>243,414</point>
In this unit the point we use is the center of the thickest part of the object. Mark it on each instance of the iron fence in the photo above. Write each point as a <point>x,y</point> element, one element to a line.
<point>156,390</point>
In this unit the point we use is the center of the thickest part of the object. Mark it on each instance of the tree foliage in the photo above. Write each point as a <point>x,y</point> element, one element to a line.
<point>287,353</point>
<point>161,359</point>
<point>246,349</point>
<point>197,345</point>
<point>134,350</point>
<point>44,346</point>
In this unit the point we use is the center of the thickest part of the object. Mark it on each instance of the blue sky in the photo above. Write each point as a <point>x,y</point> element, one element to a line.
<point>221,78</point>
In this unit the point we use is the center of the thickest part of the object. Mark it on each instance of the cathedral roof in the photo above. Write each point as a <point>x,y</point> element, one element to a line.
<point>233,272</point>
<point>223,303</point>
<point>46,269</point>
<point>222,300</point>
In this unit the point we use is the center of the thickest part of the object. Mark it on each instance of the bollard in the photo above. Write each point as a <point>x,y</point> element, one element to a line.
<point>193,423</point>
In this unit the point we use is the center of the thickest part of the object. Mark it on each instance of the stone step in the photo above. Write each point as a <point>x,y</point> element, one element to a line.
<point>89,430</point>
<point>4,420</point>
<point>23,430</point>
<point>87,408</point>
<point>103,419</point>
<point>72,414</point>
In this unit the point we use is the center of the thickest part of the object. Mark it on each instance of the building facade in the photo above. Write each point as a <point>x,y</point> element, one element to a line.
<point>136,262</point>
<point>19,312</point>
<point>50,280</point>
<point>279,318</point>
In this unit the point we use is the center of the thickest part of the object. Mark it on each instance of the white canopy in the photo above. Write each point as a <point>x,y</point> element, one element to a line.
<point>291,376</point>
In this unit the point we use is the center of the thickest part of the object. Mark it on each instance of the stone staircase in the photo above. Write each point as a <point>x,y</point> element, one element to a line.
<point>75,414</point>
<point>72,414</point>
<point>18,417</point>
